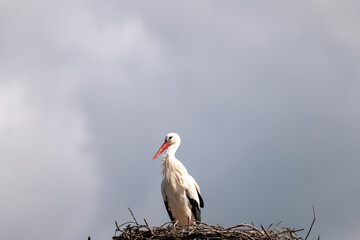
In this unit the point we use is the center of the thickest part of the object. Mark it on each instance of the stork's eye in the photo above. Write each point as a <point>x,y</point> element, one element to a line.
<point>170,137</point>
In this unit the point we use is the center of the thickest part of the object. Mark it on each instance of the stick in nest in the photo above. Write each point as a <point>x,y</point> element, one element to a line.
<point>307,235</point>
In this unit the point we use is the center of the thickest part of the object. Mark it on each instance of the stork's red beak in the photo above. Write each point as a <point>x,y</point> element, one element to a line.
<point>162,148</point>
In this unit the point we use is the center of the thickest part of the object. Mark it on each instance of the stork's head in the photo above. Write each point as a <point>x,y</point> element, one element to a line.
<point>173,138</point>
<point>170,139</point>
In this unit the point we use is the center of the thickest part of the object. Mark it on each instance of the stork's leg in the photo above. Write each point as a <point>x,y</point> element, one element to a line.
<point>188,221</point>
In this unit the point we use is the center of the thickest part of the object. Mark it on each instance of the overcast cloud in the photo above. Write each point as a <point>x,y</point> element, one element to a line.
<point>265,96</point>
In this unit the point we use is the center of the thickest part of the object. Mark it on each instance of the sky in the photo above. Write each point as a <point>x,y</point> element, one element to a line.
<point>264,94</point>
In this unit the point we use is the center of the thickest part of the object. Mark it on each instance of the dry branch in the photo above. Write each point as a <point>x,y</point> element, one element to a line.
<point>307,235</point>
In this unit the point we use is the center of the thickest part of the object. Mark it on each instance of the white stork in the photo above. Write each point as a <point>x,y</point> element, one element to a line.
<point>179,190</point>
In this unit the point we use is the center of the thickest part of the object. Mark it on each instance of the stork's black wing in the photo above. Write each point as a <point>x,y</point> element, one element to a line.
<point>201,200</point>
<point>168,211</point>
<point>195,209</point>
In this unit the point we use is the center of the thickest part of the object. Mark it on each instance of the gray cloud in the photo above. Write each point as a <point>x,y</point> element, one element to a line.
<point>47,180</point>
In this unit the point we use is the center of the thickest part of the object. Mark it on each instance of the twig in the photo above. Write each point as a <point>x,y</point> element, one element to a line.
<point>307,235</point>
<point>242,233</point>
<point>166,223</point>
<point>117,227</point>
<point>133,216</point>
<point>266,232</point>
<point>137,224</point>
<point>147,225</point>
<point>239,225</point>
<point>251,226</point>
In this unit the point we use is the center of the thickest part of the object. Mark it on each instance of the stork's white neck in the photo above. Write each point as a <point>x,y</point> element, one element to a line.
<point>172,150</point>
<point>173,170</point>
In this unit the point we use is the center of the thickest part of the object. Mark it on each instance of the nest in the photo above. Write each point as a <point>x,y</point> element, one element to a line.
<point>243,231</point>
